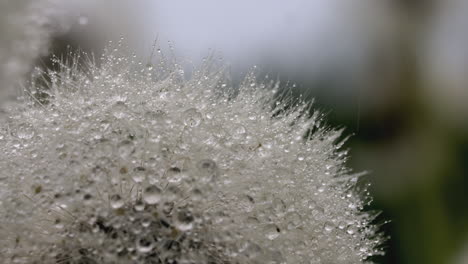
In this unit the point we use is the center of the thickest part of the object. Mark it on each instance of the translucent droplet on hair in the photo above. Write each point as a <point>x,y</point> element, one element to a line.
<point>192,117</point>
<point>152,194</point>
<point>116,201</point>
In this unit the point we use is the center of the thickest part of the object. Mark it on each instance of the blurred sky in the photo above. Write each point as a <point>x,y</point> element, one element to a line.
<point>291,34</point>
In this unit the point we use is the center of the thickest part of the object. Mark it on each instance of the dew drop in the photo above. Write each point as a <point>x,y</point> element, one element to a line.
<point>24,131</point>
<point>146,222</point>
<point>351,230</point>
<point>328,227</point>
<point>139,206</point>
<point>184,220</point>
<point>144,245</point>
<point>174,175</point>
<point>239,131</point>
<point>116,201</point>
<point>207,165</point>
<point>197,194</point>
<point>172,193</point>
<point>192,117</point>
<point>59,224</point>
<point>208,169</point>
<point>341,225</point>
<point>104,149</point>
<point>139,174</point>
<point>152,195</point>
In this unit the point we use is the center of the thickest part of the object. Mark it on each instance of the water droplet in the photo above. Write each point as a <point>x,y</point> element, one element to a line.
<point>116,201</point>
<point>144,245</point>
<point>208,169</point>
<point>197,194</point>
<point>152,195</point>
<point>104,149</point>
<point>341,225</point>
<point>351,230</point>
<point>239,132</point>
<point>146,221</point>
<point>207,165</point>
<point>192,117</point>
<point>328,227</point>
<point>58,224</point>
<point>184,220</point>
<point>139,206</point>
<point>174,174</point>
<point>139,174</point>
<point>24,131</point>
<point>172,193</point>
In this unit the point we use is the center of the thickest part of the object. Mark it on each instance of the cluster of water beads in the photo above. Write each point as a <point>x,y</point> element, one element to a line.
<point>159,170</point>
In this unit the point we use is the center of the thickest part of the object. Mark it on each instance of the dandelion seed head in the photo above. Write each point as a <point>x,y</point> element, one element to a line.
<point>124,163</point>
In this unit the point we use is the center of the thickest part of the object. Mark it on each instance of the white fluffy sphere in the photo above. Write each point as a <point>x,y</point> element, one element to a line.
<point>135,163</point>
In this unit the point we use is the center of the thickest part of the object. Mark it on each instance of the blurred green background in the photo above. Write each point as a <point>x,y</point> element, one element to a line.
<point>393,72</point>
